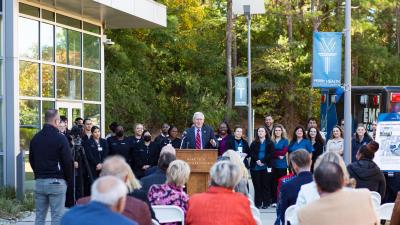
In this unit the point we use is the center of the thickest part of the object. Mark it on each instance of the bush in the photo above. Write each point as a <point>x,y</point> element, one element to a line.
<point>11,207</point>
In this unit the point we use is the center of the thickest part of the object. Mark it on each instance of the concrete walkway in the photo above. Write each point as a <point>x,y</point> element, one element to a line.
<point>268,217</point>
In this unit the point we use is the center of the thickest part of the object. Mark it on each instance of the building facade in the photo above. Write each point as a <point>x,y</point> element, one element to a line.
<point>52,56</point>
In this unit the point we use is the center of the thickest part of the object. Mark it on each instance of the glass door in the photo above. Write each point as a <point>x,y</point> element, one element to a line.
<point>71,110</point>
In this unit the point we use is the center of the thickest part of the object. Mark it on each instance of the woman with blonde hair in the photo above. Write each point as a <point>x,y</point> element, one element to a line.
<point>235,158</point>
<point>172,193</point>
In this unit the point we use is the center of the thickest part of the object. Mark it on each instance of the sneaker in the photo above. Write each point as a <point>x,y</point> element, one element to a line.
<point>273,205</point>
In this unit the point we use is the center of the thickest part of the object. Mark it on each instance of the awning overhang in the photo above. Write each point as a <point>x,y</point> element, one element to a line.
<point>114,14</point>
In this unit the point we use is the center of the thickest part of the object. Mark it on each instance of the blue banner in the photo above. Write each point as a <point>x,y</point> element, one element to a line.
<point>240,91</point>
<point>327,59</point>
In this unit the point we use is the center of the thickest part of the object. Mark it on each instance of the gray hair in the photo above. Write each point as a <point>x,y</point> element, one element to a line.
<point>50,115</point>
<point>108,190</point>
<point>198,114</point>
<point>225,174</point>
<point>117,166</point>
<point>168,148</point>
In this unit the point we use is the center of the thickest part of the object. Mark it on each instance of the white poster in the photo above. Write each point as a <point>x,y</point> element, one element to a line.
<point>388,137</point>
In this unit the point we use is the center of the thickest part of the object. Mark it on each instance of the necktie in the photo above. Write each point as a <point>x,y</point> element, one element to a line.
<point>198,140</point>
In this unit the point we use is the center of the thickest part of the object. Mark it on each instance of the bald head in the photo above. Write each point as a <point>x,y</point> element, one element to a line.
<point>115,166</point>
<point>109,190</point>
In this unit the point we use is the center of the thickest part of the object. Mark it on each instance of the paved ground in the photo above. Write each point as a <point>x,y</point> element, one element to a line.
<point>267,216</point>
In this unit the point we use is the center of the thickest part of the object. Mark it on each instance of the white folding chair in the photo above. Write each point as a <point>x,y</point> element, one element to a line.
<point>154,222</point>
<point>256,215</point>
<point>385,211</point>
<point>169,213</point>
<point>290,213</point>
<point>376,202</point>
<point>377,195</point>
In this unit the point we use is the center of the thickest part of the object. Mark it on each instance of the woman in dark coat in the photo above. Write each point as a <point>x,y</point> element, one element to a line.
<point>96,150</point>
<point>317,142</point>
<point>261,154</point>
<point>366,172</point>
<point>145,155</point>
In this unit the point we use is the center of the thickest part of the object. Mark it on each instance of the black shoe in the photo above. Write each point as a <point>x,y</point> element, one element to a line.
<point>264,207</point>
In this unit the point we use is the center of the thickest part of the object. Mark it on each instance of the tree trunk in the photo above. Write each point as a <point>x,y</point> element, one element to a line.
<point>398,27</point>
<point>316,22</point>
<point>289,20</point>
<point>228,60</point>
<point>234,48</point>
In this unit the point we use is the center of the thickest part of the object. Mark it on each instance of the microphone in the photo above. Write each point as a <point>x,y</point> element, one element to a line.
<point>183,138</point>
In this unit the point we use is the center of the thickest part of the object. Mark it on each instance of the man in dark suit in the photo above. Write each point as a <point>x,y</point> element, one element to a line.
<point>106,205</point>
<point>199,136</point>
<point>301,162</point>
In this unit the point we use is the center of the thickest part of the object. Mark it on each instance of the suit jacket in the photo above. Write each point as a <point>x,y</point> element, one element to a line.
<point>290,190</point>
<point>207,133</point>
<point>255,149</point>
<point>158,177</point>
<point>341,207</point>
<point>94,213</point>
<point>135,210</point>
<point>219,206</point>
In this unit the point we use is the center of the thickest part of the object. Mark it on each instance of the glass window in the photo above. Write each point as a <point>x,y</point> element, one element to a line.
<point>29,10</point>
<point>28,38</point>
<point>47,81</point>
<point>91,51</point>
<point>68,21</point>
<point>92,86</point>
<point>47,42</point>
<point>74,47</point>
<point>1,5</point>
<point>91,27</point>
<point>28,78</point>
<point>46,105</point>
<point>61,45</point>
<point>29,122</point>
<point>92,111</point>
<point>69,83</point>
<point>47,15</point>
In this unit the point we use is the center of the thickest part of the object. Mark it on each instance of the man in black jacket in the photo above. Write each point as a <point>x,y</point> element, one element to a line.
<point>52,164</point>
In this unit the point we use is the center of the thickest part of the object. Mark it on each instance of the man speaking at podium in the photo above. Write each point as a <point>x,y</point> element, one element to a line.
<point>199,136</point>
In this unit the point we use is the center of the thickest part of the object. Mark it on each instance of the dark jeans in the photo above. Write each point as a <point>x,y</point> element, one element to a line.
<point>276,174</point>
<point>262,187</point>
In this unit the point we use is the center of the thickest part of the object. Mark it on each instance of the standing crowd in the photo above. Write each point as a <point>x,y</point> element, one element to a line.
<point>128,175</point>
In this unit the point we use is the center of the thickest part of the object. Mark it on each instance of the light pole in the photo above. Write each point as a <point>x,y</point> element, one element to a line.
<point>248,8</point>
<point>347,85</point>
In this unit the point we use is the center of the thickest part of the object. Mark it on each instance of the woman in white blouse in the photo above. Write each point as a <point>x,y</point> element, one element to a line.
<point>335,144</point>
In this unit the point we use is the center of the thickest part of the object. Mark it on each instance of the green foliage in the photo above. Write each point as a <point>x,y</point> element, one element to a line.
<point>10,207</point>
<point>166,74</point>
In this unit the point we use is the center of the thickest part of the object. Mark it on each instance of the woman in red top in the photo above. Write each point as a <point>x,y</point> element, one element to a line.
<point>220,204</point>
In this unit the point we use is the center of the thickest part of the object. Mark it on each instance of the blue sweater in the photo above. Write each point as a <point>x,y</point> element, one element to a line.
<point>281,147</point>
<point>303,144</point>
<point>94,213</point>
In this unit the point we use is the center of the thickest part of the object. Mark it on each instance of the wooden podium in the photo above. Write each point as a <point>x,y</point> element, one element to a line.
<point>200,162</point>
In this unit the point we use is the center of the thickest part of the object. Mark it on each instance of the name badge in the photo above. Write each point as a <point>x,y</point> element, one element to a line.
<point>240,149</point>
<point>269,169</point>
<point>100,149</point>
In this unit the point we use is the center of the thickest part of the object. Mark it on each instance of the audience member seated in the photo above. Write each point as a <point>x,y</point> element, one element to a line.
<point>395,220</point>
<point>220,204</point>
<point>159,175</point>
<point>301,163</point>
<point>167,148</point>
<point>106,203</point>
<point>135,209</point>
<point>309,192</point>
<point>234,157</point>
<point>366,172</point>
<point>172,193</point>
<point>337,206</point>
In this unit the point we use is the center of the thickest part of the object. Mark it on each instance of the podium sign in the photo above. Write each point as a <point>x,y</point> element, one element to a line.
<point>200,162</point>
